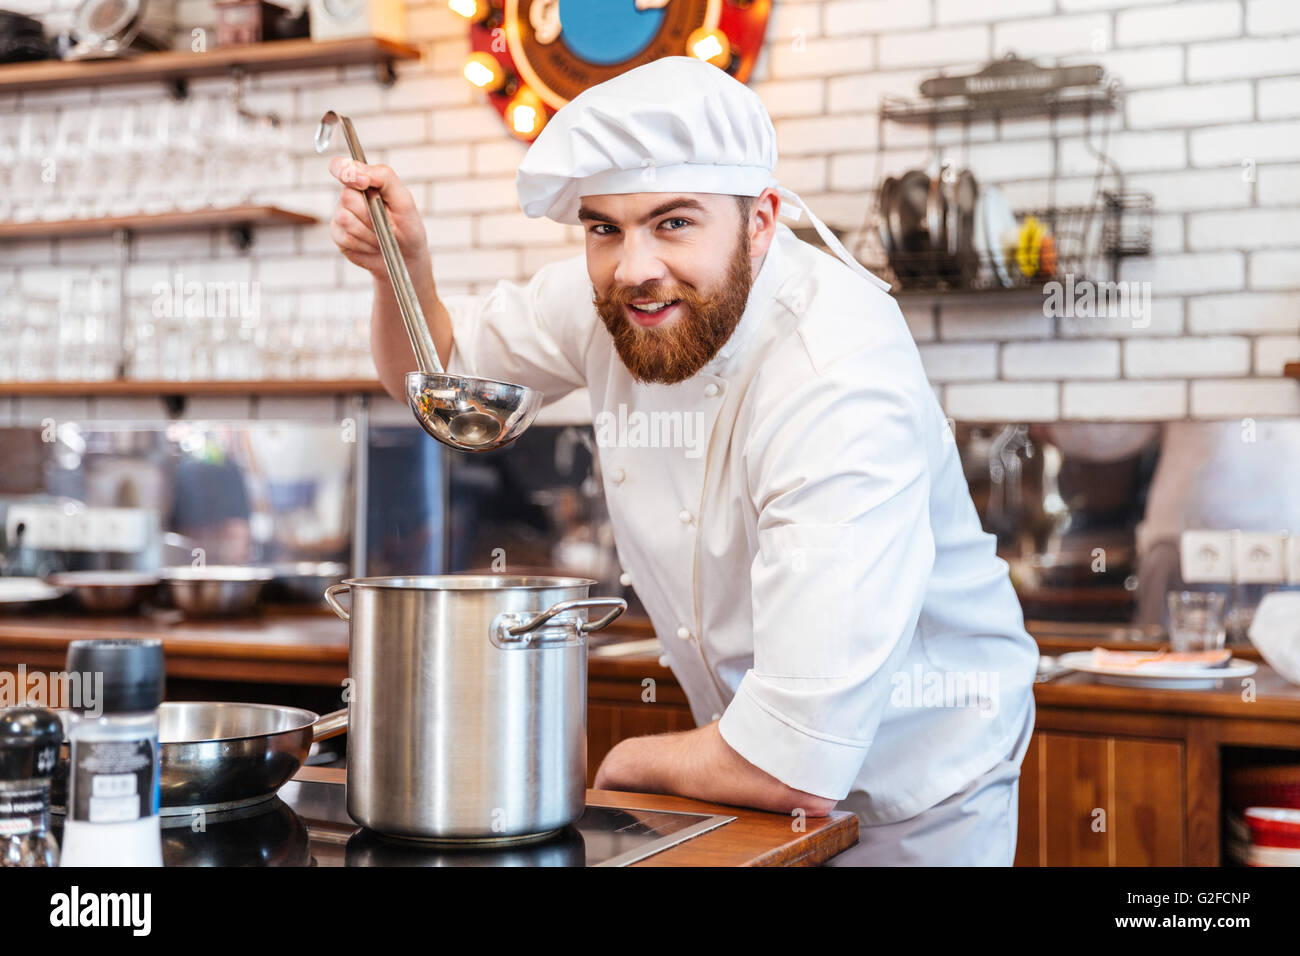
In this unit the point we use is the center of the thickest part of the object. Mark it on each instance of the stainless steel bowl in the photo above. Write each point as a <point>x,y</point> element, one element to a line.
<point>215,590</point>
<point>108,592</point>
<point>471,414</point>
<point>304,581</point>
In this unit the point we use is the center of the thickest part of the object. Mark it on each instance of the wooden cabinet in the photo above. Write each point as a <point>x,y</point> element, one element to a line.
<point>1095,800</point>
<point>1114,776</point>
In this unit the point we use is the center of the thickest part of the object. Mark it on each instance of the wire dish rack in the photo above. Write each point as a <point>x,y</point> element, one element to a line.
<point>941,243</point>
<point>1049,243</point>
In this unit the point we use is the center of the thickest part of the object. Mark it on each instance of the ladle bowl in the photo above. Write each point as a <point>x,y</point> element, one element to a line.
<point>461,411</point>
<point>471,414</point>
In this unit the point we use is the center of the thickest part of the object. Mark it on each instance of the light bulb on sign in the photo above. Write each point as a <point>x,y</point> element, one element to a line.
<point>525,119</point>
<point>711,46</point>
<point>483,70</point>
<point>525,114</point>
<point>466,8</point>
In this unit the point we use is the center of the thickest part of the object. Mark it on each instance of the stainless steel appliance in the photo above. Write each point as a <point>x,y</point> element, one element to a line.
<point>468,703</point>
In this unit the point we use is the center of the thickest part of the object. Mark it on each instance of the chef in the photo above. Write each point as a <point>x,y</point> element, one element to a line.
<point>784,489</point>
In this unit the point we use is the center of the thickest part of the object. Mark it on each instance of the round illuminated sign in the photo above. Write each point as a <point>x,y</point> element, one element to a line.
<point>552,50</point>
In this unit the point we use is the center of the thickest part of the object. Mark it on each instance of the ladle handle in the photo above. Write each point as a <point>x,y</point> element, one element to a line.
<point>426,355</point>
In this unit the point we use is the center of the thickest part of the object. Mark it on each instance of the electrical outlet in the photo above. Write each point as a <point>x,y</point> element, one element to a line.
<point>1205,557</point>
<point>1293,558</point>
<point>123,529</point>
<point>81,532</point>
<point>1258,557</point>
<point>19,516</point>
<point>50,530</point>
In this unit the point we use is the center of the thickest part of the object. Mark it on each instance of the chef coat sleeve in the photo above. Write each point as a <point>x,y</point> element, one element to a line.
<point>534,334</point>
<point>838,473</point>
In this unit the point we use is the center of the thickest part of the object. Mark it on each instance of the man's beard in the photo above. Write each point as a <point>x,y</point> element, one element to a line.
<point>672,354</point>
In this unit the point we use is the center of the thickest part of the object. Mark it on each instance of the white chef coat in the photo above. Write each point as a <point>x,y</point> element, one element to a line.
<point>819,573</point>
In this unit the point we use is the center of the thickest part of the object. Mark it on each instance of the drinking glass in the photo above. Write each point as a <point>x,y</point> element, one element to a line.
<point>1195,620</point>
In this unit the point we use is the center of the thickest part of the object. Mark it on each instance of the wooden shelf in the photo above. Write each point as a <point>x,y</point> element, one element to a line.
<point>172,66</point>
<point>131,388</point>
<point>1291,370</point>
<point>232,217</point>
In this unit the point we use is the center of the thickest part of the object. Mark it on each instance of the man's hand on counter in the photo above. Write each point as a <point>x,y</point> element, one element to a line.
<point>700,765</point>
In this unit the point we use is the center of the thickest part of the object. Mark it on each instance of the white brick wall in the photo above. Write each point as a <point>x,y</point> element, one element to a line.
<point>1210,126</point>
<point>1272,16</point>
<point>1179,22</point>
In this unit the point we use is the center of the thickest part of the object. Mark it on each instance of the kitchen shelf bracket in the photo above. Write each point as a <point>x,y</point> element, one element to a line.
<point>241,235</point>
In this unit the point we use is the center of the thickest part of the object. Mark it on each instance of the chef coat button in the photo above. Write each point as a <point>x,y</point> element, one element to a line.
<point>663,660</point>
<point>684,516</point>
<point>684,633</point>
<point>617,476</point>
<point>625,579</point>
<point>711,389</point>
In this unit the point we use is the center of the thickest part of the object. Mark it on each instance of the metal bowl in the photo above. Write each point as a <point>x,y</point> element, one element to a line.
<point>107,592</point>
<point>215,590</point>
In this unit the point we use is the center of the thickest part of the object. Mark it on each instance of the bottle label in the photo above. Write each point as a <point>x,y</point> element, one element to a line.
<point>113,781</point>
<point>23,811</point>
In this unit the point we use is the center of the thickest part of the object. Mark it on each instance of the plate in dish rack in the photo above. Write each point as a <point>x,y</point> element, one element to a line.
<point>1169,676</point>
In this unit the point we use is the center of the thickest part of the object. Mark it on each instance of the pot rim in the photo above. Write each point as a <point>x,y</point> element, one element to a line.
<point>469,582</point>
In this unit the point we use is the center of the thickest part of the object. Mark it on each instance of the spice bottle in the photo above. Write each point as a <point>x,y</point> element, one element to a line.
<point>112,813</point>
<point>29,751</point>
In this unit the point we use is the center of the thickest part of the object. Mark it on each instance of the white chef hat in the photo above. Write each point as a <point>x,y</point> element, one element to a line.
<point>676,124</point>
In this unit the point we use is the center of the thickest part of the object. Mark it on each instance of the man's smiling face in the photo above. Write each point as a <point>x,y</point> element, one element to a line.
<point>672,274</point>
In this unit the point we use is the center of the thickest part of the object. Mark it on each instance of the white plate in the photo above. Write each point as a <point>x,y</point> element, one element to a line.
<point>1172,676</point>
<point>998,220</point>
<point>26,590</point>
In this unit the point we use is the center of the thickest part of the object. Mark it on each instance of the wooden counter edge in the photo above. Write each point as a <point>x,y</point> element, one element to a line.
<point>754,838</point>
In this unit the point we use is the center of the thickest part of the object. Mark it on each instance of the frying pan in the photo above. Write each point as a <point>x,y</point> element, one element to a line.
<point>221,756</point>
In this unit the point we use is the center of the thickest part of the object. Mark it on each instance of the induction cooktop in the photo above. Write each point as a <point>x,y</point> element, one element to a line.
<point>308,825</point>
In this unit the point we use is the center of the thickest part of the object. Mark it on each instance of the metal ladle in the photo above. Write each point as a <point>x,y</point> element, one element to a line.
<point>470,414</point>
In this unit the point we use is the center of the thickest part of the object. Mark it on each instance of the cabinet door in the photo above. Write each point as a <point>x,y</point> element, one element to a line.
<point>1149,817</point>
<point>1076,780</point>
<point>1090,800</point>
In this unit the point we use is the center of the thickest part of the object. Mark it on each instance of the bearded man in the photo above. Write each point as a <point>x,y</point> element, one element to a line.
<point>816,567</point>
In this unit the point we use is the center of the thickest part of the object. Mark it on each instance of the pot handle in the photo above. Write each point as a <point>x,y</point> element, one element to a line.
<point>337,608</point>
<point>618,605</point>
<point>330,725</point>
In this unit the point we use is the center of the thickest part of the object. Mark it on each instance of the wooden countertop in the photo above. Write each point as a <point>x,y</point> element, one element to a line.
<point>295,644</point>
<point>306,646</point>
<point>754,838</point>
<point>279,646</point>
<point>1269,696</point>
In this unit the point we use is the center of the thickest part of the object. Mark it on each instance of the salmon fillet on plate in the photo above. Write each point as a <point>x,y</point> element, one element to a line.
<point>1144,660</point>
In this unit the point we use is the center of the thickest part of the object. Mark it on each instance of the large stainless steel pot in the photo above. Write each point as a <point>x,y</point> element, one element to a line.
<point>468,703</point>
